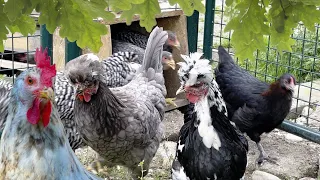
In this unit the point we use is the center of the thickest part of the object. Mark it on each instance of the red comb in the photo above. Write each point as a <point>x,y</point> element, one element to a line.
<point>47,70</point>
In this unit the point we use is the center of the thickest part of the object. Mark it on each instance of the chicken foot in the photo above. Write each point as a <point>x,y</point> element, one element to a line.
<point>170,101</point>
<point>263,156</point>
<point>97,166</point>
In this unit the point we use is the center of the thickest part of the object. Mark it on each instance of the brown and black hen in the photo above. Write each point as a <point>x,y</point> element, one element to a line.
<point>255,107</point>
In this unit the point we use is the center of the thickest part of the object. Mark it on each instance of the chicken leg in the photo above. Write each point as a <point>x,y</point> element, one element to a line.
<point>170,101</point>
<point>263,156</point>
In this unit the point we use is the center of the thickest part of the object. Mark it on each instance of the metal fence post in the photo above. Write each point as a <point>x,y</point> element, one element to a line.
<point>208,29</point>
<point>47,40</point>
<point>192,29</point>
<point>301,131</point>
<point>71,50</point>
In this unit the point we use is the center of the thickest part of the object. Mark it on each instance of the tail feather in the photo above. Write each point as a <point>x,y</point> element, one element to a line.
<point>224,56</point>
<point>153,53</point>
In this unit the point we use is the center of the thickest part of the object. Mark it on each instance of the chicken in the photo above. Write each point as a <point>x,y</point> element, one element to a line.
<point>140,40</point>
<point>123,124</point>
<point>119,46</point>
<point>118,71</point>
<point>33,144</point>
<point>209,146</point>
<point>18,56</point>
<point>5,88</point>
<point>254,106</point>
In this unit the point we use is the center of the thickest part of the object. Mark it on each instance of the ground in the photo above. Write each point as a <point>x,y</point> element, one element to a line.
<point>297,158</point>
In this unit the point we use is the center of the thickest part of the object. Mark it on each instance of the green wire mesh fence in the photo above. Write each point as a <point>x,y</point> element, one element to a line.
<point>303,63</point>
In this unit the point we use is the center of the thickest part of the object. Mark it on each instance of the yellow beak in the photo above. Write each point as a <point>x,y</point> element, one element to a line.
<point>177,45</point>
<point>47,93</point>
<point>172,64</point>
<point>180,90</point>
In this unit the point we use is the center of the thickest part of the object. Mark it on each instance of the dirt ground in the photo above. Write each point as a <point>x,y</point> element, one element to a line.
<point>296,158</point>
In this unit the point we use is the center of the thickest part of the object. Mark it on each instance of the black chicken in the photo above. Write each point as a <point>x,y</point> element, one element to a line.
<point>209,147</point>
<point>254,106</point>
<point>18,56</point>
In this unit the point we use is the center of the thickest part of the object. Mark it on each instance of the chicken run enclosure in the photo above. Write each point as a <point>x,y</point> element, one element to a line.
<point>200,32</point>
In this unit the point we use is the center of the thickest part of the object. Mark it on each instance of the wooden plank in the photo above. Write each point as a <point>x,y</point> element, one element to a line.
<point>17,65</point>
<point>179,103</point>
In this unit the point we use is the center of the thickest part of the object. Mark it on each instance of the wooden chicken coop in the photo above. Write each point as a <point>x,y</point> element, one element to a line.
<point>171,18</point>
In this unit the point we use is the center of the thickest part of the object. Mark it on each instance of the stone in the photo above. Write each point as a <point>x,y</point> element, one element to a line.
<point>165,154</point>
<point>295,159</point>
<point>173,120</point>
<point>307,178</point>
<point>259,175</point>
<point>293,137</point>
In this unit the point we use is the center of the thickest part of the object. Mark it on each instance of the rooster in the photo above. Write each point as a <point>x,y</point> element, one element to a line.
<point>33,144</point>
<point>123,124</point>
<point>209,146</point>
<point>254,106</point>
<point>118,71</point>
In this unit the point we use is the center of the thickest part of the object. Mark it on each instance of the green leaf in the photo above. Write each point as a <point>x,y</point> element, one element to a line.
<point>151,9</point>
<point>189,6</point>
<point>24,24</point>
<point>229,2</point>
<point>147,11</point>
<point>78,26</point>
<point>94,8</point>
<point>13,8</point>
<point>121,4</point>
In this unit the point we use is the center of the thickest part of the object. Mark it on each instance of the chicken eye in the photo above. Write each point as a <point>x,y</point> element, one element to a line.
<point>30,81</point>
<point>200,76</point>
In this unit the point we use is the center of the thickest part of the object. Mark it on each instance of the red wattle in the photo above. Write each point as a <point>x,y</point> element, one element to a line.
<point>192,98</point>
<point>33,114</point>
<point>87,97</point>
<point>46,112</point>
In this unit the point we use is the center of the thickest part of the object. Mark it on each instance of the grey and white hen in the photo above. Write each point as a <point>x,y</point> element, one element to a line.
<point>123,124</point>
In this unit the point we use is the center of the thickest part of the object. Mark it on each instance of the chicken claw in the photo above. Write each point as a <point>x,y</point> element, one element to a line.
<point>97,168</point>
<point>264,157</point>
<point>170,101</point>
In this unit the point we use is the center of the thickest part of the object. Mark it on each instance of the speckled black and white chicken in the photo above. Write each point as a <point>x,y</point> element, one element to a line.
<point>33,144</point>
<point>123,124</point>
<point>118,71</point>
<point>209,146</point>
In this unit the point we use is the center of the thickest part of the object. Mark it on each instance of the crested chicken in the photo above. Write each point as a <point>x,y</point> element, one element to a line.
<point>33,144</point>
<point>209,146</point>
<point>255,107</point>
<point>123,124</point>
